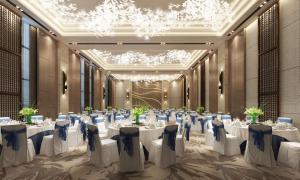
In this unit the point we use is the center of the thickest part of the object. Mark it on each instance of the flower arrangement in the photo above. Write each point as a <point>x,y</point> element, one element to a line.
<point>88,109</point>
<point>137,111</point>
<point>200,110</point>
<point>109,108</point>
<point>27,112</point>
<point>254,113</point>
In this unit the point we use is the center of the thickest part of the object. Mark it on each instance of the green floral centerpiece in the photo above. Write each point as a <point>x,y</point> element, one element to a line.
<point>88,109</point>
<point>109,108</point>
<point>254,113</point>
<point>27,112</point>
<point>200,110</point>
<point>137,112</point>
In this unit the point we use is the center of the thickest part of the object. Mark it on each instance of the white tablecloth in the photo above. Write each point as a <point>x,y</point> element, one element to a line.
<point>289,134</point>
<point>146,135</point>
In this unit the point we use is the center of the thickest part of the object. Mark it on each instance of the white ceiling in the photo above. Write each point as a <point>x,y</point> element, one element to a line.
<point>189,38</point>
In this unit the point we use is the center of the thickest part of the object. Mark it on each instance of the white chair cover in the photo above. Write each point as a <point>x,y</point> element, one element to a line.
<point>208,132</point>
<point>16,148</point>
<point>56,143</point>
<point>225,144</point>
<point>102,152</point>
<point>263,155</point>
<point>285,120</point>
<point>37,119</point>
<point>289,154</point>
<point>131,153</point>
<point>163,152</point>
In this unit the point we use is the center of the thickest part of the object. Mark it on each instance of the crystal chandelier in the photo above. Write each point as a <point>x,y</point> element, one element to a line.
<point>147,77</point>
<point>135,58</point>
<point>145,22</point>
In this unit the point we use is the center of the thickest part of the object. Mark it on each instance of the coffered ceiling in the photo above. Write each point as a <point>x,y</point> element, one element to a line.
<point>148,30</point>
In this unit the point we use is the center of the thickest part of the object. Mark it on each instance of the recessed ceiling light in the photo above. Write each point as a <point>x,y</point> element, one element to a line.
<point>74,43</point>
<point>119,43</point>
<point>162,43</point>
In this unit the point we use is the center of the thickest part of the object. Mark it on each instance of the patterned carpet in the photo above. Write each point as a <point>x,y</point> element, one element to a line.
<point>199,162</point>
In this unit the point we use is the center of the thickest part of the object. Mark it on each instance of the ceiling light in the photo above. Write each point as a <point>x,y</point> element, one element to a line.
<point>146,22</point>
<point>119,43</point>
<point>147,77</point>
<point>162,43</point>
<point>136,58</point>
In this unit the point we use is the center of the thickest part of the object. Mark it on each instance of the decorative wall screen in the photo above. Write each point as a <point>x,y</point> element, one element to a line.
<point>147,93</point>
<point>268,73</point>
<point>10,63</point>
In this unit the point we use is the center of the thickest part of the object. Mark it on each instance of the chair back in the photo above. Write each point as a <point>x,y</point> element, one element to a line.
<point>209,122</point>
<point>259,145</point>
<point>226,118</point>
<point>62,117</point>
<point>285,120</point>
<point>168,156</point>
<point>37,119</point>
<point>60,137</point>
<point>14,145</point>
<point>5,119</point>
<point>93,118</point>
<point>119,117</point>
<point>94,145</point>
<point>219,131</point>
<point>130,149</point>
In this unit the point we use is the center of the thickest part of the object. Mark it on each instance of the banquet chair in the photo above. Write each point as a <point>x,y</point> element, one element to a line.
<point>180,146</point>
<point>103,152</point>
<point>208,132</point>
<point>119,117</point>
<point>289,154</point>
<point>62,117</point>
<point>131,153</point>
<point>16,148</point>
<point>74,132</point>
<point>58,142</point>
<point>226,118</point>
<point>259,146</point>
<point>37,119</point>
<point>285,120</point>
<point>93,118</point>
<point>225,144</point>
<point>101,127</point>
<point>5,119</point>
<point>163,151</point>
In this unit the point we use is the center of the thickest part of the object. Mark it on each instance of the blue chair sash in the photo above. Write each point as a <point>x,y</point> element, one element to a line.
<point>202,123</point>
<point>12,138</point>
<point>258,137</point>
<point>91,138</point>
<point>93,117</point>
<point>171,142</point>
<point>193,118</point>
<point>216,130</point>
<point>38,138</point>
<point>127,140</point>
<point>187,131</point>
<point>109,117</point>
<point>83,130</point>
<point>62,131</point>
<point>73,119</point>
<point>97,120</point>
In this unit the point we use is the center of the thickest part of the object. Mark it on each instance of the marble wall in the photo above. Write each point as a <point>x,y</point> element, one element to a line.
<point>290,59</point>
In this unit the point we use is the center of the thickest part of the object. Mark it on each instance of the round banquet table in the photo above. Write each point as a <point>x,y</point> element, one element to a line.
<point>147,135</point>
<point>290,134</point>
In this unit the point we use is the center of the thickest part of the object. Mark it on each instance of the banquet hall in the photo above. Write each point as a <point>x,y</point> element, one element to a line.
<point>160,89</point>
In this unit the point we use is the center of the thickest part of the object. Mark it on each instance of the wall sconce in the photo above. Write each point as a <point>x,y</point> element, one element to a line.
<point>103,93</point>
<point>221,78</point>
<point>65,83</point>
<point>188,93</point>
<point>127,95</point>
<point>165,95</point>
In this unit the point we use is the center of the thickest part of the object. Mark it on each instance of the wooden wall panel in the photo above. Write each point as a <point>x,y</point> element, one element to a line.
<point>236,70</point>
<point>10,63</point>
<point>47,75</point>
<point>213,83</point>
<point>74,83</point>
<point>97,89</point>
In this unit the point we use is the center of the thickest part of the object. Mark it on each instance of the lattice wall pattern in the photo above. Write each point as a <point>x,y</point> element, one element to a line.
<point>10,63</point>
<point>268,90</point>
